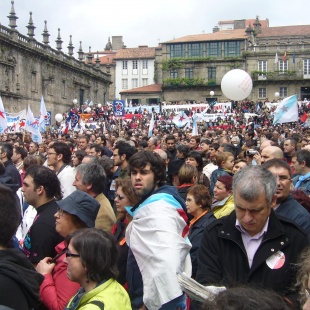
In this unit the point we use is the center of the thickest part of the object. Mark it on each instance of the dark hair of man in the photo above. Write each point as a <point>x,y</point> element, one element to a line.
<point>183,149</point>
<point>9,215</point>
<point>97,147</point>
<point>85,137</point>
<point>201,196</point>
<point>215,145</point>
<point>43,176</point>
<point>98,253</point>
<point>277,163</point>
<point>157,164</point>
<point>107,164</point>
<point>292,141</point>
<point>80,154</point>
<point>303,155</point>
<point>206,141</point>
<point>125,148</point>
<point>227,147</point>
<point>198,158</point>
<point>170,137</point>
<point>142,144</point>
<point>62,148</point>
<point>94,174</point>
<point>21,151</point>
<point>251,133</point>
<point>7,148</point>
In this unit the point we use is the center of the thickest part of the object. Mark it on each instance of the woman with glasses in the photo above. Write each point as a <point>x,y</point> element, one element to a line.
<point>91,262</point>
<point>77,211</point>
<point>124,196</point>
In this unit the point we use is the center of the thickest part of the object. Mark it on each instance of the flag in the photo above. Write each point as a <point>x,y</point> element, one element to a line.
<point>152,122</point>
<point>3,119</point>
<point>43,115</point>
<point>294,57</point>
<point>86,102</point>
<point>276,59</point>
<point>195,127</point>
<point>73,118</point>
<point>91,103</point>
<point>284,57</point>
<point>181,119</point>
<point>287,111</point>
<point>304,117</point>
<point>32,125</point>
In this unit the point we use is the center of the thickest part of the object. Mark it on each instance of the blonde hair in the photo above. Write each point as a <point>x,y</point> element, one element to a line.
<point>222,157</point>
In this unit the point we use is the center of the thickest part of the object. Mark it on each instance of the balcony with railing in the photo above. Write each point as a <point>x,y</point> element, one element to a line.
<point>277,76</point>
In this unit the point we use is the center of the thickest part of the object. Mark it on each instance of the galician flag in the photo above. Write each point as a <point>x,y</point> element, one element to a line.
<point>195,127</point>
<point>152,122</point>
<point>3,120</point>
<point>181,119</point>
<point>32,125</point>
<point>43,115</point>
<point>287,111</point>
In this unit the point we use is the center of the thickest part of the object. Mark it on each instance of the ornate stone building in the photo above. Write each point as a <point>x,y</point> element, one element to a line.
<point>30,69</point>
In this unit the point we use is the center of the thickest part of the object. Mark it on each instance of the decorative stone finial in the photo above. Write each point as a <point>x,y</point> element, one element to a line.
<point>89,56</point>
<point>80,52</point>
<point>30,27</point>
<point>59,41</point>
<point>108,46</point>
<point>97,60</point>
<point>70,46</point>
<point>12,17</point>
<point>45,34</point>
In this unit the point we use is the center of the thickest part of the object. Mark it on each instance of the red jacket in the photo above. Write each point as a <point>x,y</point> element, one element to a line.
<point>56,289</point>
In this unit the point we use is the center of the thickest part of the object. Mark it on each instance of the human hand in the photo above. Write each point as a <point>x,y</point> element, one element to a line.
<point>45,267</point>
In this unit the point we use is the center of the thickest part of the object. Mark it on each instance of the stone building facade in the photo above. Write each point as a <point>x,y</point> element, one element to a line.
<point>30,69</point>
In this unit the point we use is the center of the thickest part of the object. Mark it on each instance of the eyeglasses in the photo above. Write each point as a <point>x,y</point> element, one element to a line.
<point>51,154</point>
<point>68,254</point>
<point>60,212</point>
<point>118,196</point>
<point>307,292</point>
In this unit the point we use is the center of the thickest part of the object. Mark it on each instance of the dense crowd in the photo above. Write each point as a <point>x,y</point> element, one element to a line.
<point>108,215</point>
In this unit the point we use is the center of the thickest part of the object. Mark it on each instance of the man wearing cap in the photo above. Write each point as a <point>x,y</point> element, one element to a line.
<point>41,187</point>
<point>91,179</point>
<point>75,212</point>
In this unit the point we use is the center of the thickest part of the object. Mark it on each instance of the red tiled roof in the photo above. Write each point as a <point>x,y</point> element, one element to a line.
<point>216,36</point>
<point>154,88</point>
<point>296,30</point>
<point>107,59</point>
<point>137,52</point>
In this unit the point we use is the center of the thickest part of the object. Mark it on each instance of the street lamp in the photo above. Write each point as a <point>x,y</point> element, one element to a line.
<point>74,101</point>
<point>276,94</point>
<point>99,105</point>
<point>211,93</point>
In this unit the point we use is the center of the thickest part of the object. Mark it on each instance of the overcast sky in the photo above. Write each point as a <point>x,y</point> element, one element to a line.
<point>143,22</point>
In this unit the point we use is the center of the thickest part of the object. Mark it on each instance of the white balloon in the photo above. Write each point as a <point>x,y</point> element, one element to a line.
<point>237,84</point>
<point>211,93</point>
<point>276,94</point>
<point>58,117</point>
<point>99,105</point>
<point>88,109</point>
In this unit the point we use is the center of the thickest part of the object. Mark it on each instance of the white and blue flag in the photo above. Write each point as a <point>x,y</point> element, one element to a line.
<point>287,111</point>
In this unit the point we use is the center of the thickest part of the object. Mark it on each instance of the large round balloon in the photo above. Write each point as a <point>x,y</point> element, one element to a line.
<point>236,84</point>
<point>58,117</point>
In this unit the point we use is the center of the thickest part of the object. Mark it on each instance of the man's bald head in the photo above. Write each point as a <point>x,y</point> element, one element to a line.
<point>270,152</point>
<point>265,144</point>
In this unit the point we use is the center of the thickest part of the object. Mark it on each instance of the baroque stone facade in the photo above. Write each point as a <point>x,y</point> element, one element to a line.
<point>30,69</point>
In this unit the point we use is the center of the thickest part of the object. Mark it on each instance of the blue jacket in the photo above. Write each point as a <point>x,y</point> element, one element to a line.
<point>305,185</point>
<point>295,212</point>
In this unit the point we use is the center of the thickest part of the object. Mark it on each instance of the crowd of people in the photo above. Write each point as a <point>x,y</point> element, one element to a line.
<point>108,220</point>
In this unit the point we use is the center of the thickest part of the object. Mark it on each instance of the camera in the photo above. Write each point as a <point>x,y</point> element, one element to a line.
<point>250,152</point>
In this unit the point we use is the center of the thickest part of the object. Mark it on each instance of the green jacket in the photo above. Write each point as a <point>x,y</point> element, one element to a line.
<point>110,294</point>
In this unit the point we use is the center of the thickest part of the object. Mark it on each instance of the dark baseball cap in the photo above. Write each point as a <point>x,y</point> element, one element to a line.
<point>81,205</point>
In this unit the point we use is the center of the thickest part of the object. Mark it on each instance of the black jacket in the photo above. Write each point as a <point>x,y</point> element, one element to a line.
<point>19,281</point>
<point>223,260</point>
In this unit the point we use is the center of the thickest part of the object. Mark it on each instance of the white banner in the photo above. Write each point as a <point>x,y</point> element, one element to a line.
<point>16,121</point>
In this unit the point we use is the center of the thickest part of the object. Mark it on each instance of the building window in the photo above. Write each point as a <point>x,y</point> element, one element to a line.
<point>232,48</point>
<point>262,93</point>
<point>176,50</point>
<point>135,64</point>
<point>283,66</point>
<point>33,81</point>
<point>262,65</point>
<point>124,84</point>
<point>189,73</point>
<point>194,50</point>
<point>283,92</point>
<point>63,88</point>
<point>125,65</point>
<point>211,74</point>
<point>144,82</point>
<point>173,74</point>
<point>307,67</point>
<point>134,83</point>
<point>214,49</point>
<point>144,64</point>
